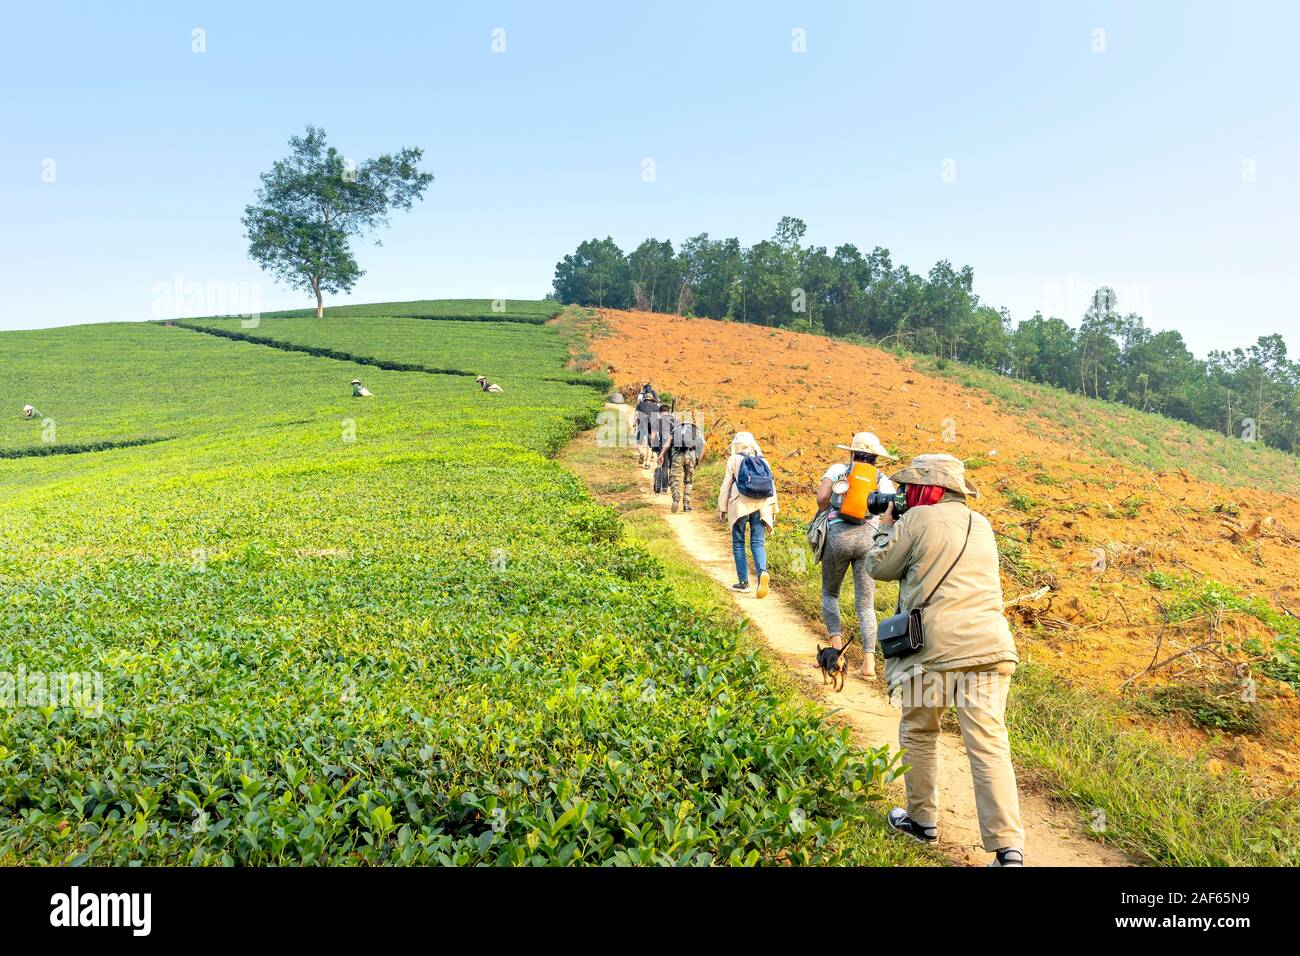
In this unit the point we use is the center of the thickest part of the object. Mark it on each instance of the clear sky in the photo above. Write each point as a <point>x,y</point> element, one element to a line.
<point>1161,156</point>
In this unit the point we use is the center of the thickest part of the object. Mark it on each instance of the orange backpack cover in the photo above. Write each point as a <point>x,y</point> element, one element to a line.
<point>862,479</point>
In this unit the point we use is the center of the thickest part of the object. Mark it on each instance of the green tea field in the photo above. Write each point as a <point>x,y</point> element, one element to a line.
<point>385,630</point>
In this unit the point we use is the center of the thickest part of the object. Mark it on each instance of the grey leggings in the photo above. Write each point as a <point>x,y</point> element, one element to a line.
<point>848,544</point>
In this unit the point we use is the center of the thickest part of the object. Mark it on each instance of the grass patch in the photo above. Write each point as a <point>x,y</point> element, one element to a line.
<point>1170,810</point>
<point>1190,597</point>
<point>1217,707</point>
<point>1019,500</point>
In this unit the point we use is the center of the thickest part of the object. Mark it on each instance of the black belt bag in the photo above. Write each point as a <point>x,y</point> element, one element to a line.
<point>903,633</point>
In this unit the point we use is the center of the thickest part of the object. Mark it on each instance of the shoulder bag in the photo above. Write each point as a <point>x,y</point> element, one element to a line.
<point>903,633</point>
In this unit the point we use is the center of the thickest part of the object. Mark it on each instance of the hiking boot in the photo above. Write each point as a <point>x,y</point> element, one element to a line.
<point>687,508</point>
<point>741,587</point>
<point>762,585</point>
<point>900,821</point>
<point>674,507</point>
<point>1008,857</point>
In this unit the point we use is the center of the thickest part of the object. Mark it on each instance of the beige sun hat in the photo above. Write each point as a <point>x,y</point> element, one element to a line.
<point>868,442</point>
<point>355,381</point>
<point>744,442</point>
<point>942,470</point>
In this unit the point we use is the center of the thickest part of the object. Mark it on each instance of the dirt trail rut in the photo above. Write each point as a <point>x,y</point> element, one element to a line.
<point>1052,835</point>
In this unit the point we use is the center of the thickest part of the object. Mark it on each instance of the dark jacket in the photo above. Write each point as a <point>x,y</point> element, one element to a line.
<point>661,429</point>
<point>646,413</point>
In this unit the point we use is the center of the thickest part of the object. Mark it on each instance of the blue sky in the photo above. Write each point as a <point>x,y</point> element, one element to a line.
<point>1167,164</point>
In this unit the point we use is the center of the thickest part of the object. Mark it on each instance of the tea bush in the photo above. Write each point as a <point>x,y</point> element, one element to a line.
<point>369,631</point>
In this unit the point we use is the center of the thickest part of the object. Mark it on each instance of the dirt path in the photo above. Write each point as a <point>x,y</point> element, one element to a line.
<point>1052,836</point>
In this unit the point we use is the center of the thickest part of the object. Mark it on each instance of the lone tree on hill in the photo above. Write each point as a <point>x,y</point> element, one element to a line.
<point>313,202</point>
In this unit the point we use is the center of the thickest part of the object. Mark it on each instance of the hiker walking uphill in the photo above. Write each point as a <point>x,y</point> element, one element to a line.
<point>849,532</point>
<point>647,412</point>
<point>747,500</point>
<point>960,651</point>
<point>682,453</point>
<point>662,423</point>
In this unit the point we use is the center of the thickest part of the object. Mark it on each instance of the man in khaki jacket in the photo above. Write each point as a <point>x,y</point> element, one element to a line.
<point>968,656</point>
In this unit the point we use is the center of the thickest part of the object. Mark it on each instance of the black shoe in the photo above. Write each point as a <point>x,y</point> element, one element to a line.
<point>1008,857</point>
<point>900,821</point>
<point>741,587</point>
<point>687,508</point>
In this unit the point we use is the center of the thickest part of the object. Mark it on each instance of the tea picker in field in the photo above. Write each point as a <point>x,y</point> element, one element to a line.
<point>849,531</point>
<point>359,390</point>
<point>486,386</point>
<point>29,411</point>
<point>950,646</point>
<point>683,452</point>
<point>747,499</point>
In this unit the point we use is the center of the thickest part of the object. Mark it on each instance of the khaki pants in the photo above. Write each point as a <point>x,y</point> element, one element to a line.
<point>980,698</point>
<point>681,477</point>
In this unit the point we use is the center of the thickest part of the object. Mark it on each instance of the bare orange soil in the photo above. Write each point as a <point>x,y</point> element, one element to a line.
<point>1100,620</point>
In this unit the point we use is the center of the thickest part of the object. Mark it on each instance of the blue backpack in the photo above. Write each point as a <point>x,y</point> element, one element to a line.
<point>754,477</point>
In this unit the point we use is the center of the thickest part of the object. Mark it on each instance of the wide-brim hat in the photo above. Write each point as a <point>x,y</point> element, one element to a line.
<point>868,442</point>
<point>355,381</point>
<point>942,470</point>
<point>743,442</point>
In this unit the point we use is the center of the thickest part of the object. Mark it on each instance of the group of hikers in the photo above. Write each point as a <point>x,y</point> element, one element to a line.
<point>948,642</point>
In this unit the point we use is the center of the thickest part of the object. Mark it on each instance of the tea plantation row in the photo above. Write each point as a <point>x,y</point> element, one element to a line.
<point>454,346</point>
<point>529,311</point>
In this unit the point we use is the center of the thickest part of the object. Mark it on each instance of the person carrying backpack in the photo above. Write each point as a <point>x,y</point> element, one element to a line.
<point>682,453</point>
<point>662,423</point>
<point>848,539</point>
<point>646,415</point>
<point>661,436</point>
<point>747,499</point>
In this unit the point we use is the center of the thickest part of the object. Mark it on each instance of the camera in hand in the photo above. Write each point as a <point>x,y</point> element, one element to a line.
<point>878,501</point>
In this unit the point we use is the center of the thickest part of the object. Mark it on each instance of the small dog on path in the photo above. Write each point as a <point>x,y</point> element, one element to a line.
<point>834,665</point>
